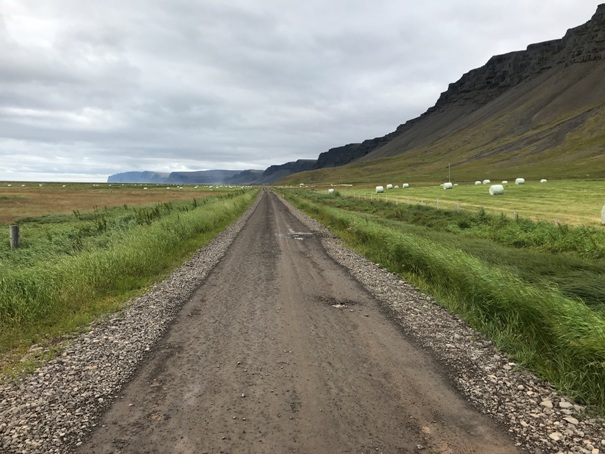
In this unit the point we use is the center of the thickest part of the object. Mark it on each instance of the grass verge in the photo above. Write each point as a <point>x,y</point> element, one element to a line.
<point>43,300</point>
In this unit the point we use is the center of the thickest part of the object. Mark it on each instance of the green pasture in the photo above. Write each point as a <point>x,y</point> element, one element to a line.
<point>573,202</point>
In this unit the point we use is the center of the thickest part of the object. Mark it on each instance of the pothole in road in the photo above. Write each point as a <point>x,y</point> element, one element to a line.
<point>337,303</point>
<point>295,235</point>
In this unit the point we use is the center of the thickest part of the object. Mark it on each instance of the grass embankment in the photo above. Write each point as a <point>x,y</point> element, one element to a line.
<point>498,274</point>
<point>70,269</point>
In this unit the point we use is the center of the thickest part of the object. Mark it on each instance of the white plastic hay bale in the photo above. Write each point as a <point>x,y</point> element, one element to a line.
<point>379,189</point>
<point>389,186</point>
<point>477,183</point>
<point>496,189</point>
<point>486,182</point>
<point>330,191</point>
<point>520,181</point>
<point>396,187</point>
<point>448,185</point>
<point>405,185</point>
<point>504,182</point>
<point>543,180</point>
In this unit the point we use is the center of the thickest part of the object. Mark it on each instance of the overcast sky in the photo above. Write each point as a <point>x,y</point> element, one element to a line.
<point>92,88</point>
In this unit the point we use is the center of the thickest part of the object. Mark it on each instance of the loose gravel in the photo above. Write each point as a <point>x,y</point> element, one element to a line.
<point>54,408</point>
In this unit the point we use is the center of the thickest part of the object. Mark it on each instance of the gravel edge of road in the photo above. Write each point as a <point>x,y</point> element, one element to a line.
<point>54,408</point>
<point>539,418</point>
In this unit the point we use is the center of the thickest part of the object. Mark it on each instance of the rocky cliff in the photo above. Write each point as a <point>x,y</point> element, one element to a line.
<point>501,72</point>
<point>277,172</point>
<point>480,86</point>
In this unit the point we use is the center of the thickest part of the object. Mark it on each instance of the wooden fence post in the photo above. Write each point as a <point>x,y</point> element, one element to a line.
<point>14,236</point>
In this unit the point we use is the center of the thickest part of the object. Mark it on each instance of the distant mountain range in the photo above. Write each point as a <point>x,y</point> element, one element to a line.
<point>538,112</point>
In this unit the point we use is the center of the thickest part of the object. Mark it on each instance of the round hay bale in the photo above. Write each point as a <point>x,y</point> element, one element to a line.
<point>447,185</point>
<point>379,189</point>
<point>543,180</point>
<point>389,186</point>
<point>486,181</point>
<point>477,183</point>
<point>496,189</point>
<point>330,191</point>
<point>504,182</point>
<point>520,181</point>
<point>405,185</point>
<point>396,187</point>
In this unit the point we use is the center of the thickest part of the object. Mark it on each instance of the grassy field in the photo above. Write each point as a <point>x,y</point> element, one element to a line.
<point>573,202</point>
<point>82,260</point>
<point>18,200</point>
<point>536,288</point>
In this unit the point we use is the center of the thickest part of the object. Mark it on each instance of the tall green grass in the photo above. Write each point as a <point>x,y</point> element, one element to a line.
<point>561,339</point>
<point>42,295</point>
<point>543,254</point>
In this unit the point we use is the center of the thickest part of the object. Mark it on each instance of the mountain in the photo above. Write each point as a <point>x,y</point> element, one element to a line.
<point>540,111</point>
<point>138,177</point>
<point>202,177</point>
<point>245,177</point>
<point>277,172</point>
<point>199,177</point>
<point>231,177</point>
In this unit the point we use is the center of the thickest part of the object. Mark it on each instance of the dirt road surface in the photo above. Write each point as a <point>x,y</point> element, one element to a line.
<point>281,351</point>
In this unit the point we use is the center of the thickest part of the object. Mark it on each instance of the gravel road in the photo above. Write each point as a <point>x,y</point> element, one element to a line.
<point>276,338</point>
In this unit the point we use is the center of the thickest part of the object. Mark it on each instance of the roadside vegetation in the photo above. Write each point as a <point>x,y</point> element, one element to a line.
<point>536,288</point>
<point>71,268</point>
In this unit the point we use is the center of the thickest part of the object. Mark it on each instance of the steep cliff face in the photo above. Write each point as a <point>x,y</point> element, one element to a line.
<point>340,156</point>
<point>500,75</point>
<point>502,72</point>
<point>277,172</point>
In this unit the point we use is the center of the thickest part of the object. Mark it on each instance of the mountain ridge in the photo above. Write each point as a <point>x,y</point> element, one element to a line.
<point>512,113</point>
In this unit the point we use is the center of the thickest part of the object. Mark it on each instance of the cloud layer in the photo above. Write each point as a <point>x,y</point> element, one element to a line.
<point>89,89</point>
